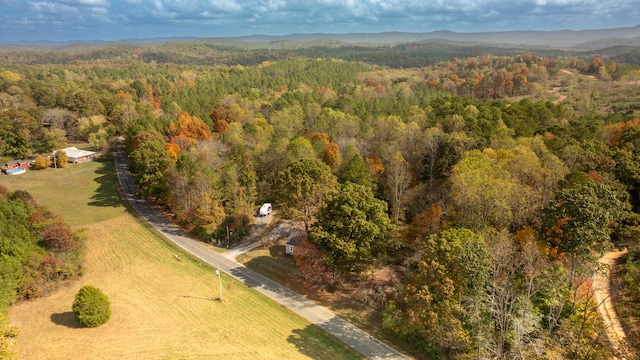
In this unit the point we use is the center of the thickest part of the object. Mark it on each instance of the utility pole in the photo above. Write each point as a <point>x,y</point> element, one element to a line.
<point>219,281</point>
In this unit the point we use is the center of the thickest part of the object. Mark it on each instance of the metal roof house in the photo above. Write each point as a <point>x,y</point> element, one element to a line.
<point>76,156</point>
<point>296,237</point>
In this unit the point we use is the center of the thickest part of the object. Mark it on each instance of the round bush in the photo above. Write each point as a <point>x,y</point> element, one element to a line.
<point>91,307</point>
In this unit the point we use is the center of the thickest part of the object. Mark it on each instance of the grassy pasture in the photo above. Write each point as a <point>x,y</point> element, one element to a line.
<point>163,308</point>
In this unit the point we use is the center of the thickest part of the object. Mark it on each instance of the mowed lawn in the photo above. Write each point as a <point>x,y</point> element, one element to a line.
<point>162,308</point>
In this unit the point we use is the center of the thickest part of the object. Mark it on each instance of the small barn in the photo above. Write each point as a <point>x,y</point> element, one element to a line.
<point>15,164</point>
<point>76,156</point>
<point>296,237</point>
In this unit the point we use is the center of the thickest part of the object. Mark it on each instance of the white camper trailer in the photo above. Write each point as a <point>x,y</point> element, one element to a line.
<point>265,209</point>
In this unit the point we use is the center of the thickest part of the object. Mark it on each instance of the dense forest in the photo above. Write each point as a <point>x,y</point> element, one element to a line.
<point>488,184</point>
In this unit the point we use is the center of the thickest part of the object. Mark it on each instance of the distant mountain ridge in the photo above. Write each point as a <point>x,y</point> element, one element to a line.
<point>565,39</point>
<point>579,39</point>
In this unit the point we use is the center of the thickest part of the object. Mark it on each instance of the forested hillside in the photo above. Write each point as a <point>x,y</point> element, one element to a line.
<point>38,251</point>
<point>488,185</point>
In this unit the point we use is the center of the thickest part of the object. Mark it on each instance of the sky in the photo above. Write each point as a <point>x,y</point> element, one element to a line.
<point>109,20</point>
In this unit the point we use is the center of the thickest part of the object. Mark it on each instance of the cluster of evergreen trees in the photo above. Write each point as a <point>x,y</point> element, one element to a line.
<point>37,249</point>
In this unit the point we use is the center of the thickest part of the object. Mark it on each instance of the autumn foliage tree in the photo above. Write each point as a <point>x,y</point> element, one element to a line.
<point>329,151</point>
<point>60,158</point>
<point>188,130</point>
<point>313,268</point>
<point>222,116</point>
<point>429,222</point>
<point>60,238</point>
<point>42,162</point>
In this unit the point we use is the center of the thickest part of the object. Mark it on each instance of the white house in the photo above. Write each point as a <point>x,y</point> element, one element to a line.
<point>74,155</point>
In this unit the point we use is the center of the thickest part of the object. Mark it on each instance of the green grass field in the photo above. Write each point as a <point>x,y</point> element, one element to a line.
<point>163,308</point>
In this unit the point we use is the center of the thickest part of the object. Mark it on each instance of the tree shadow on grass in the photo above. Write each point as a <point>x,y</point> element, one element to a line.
<point>66,319</point>
<point>106,194</point>
<point>278,251</point>
<point>318,344</point>
<point>217,299</point>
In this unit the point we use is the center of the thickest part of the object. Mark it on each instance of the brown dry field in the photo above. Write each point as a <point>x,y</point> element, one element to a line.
<point>162,308</point>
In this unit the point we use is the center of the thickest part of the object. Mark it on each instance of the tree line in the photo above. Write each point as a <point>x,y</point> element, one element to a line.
<point>38,249</point>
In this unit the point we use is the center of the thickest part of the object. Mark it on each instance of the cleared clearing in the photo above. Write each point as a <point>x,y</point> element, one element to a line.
<point>163,308</point>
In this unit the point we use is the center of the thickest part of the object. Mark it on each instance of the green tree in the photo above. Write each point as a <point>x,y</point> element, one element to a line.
<point>300,148</point>
<point>86,102</point>
<point>149,161</point>
<point>352,228</point>
<point>194,192</point>
<point>504,189</point>
<point>94,129</point>
<point>288,122</point>
<point>444,280</point>
<point>337,124</point>
<point>16,128</point>
<point>53,138</point>
<point>577,222</point>
<point>302,187</point>
<point>480,191</point>
<point>91,307</point>
<point>43,94</point>
<point>11,274</point>
<point>355,171</point>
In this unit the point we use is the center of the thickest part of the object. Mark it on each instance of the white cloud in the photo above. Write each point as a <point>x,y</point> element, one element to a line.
<point>244,17</point>
<point>97,3</point>
<point>52,8</point>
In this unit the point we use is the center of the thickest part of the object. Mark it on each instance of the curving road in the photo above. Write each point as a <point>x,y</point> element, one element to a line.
<point>316,314</point>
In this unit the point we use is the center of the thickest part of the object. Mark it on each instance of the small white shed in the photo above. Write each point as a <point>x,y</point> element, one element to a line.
<point>296,237</point>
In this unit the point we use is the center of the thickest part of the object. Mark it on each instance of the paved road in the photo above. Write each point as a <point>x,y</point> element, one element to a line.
<point>316,314</point>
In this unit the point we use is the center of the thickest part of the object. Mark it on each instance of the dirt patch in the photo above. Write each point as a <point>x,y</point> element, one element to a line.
<point>602,293</point>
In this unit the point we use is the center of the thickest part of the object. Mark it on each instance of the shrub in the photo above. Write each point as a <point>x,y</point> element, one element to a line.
<point>91,307</point>
<point>7,334</point>
<point>61,158</point>
<point>42,162</point>
<point>60,238</point>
